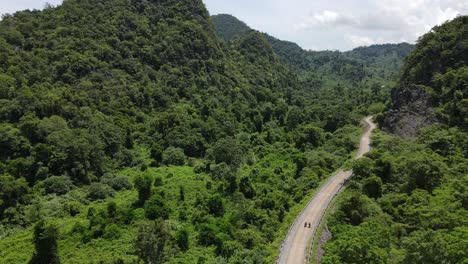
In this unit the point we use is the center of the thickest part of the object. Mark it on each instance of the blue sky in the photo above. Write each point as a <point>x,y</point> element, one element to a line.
<point>324,24</point>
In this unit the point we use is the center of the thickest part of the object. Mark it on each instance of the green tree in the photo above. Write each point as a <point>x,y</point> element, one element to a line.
<point>12,192</point>
<point>173,156</point>
<point>372,186</point>
<point>45,243</point>
<point>426,246</point>
<point>143,184</point>
<point>155,208</point>
<point>215,205</point>
<point>246,188</point>
<point>58,184</point>
<point>12,143</point>
<point>182,239</point>
<point>309,136</point>
<point>152,238</point>
<point>227,151</point>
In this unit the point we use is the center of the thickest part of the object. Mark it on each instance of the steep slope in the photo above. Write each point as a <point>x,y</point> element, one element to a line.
<point>434,82</point>
<point>227,27</point>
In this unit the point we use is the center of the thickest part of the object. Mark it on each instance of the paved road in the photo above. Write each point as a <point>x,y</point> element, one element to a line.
<point>294,249</point>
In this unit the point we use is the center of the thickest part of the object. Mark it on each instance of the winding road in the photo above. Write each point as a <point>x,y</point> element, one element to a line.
<point>295,248</point>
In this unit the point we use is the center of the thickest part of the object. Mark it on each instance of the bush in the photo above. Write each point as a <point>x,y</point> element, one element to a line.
<point>372,187</point>
<point>156,208</point>
<point>182,238</point>
<point>79,228</point>
<point>215,205</point>
<point>117,183</point>
<point>45,242</point>
<point>174,156</point>
<point>143,185</point>
<point>99,191</point>
<point>112,231</point>
<point>58,184</point>
<point>73,208</point>
<point>227,151</point>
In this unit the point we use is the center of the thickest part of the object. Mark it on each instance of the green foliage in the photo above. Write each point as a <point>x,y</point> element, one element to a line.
<point>156,208</point>
<point>125,92</point>
<point>151,241</point>
<point>372,187</point>
<point>45,243</point>
<point>143,184</point>
<point>58,184</point>
<point>173,156</point>
<point>215,205</point>
<point>227,151</point>
<point>118,183</point>
<point>439,64</point>
<point>12,192</point>
<point>366,243</point>
<point>228,27</point>
<point>182,239</point>
<point>416,185</point>
<point>99,191</point>
<point>75,151</point>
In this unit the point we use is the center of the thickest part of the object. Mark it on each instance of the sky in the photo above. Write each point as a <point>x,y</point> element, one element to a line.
<point>324,24</point>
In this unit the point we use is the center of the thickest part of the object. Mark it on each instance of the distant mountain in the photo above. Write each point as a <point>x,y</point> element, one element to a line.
<point>371,52</point>
<point>377,61</point>
<point>434,82</point>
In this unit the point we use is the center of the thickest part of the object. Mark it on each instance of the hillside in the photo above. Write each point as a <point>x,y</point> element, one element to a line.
<point>433,85</point>
<point>375,68</point>
<point>408,202</point>
<point>129,125</point>
<point>227,27</point>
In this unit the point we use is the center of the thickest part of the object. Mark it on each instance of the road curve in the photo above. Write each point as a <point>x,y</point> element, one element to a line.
<point>294,249</point>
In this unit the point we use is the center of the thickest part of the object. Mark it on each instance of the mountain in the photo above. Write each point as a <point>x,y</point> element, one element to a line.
<point>128,125</point>
<point>433,83</point>
<point>377,63</point>
<point>227,26</point>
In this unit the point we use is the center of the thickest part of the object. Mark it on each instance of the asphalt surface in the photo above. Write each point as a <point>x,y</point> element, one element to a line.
<point>295,247</point>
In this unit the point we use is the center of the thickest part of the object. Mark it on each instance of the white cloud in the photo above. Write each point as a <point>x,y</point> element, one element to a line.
<point>359,41</point>
<point>384,20</point>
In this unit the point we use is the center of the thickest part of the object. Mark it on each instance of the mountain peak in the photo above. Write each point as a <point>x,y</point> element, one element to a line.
<point>228,26</point>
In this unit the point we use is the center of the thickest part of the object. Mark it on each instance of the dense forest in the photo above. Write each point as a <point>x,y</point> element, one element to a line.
<point>408,200</point>
<point>133,131</point>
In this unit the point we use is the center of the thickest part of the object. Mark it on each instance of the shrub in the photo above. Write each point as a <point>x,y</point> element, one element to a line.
<point>58,184</point>
<point>182,238</point>
<point>158,181</point>
<point>117,183</point>
<point>99,191</point>
<point>215,205</point>
<point>111,231</point>
<point>45,242</point>
<point>143,185</point>
<point>156,208</point>
<point>73,208</point>
<point>174,156</point>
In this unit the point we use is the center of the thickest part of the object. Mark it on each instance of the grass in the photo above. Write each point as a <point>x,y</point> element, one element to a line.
<point>18,246</point>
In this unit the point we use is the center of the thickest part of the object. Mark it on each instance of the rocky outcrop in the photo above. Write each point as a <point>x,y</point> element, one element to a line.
<point>411,109</point>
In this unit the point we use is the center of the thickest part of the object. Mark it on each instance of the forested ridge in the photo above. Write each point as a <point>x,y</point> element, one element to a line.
<point>131,132</point>
<point>407,202</point>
